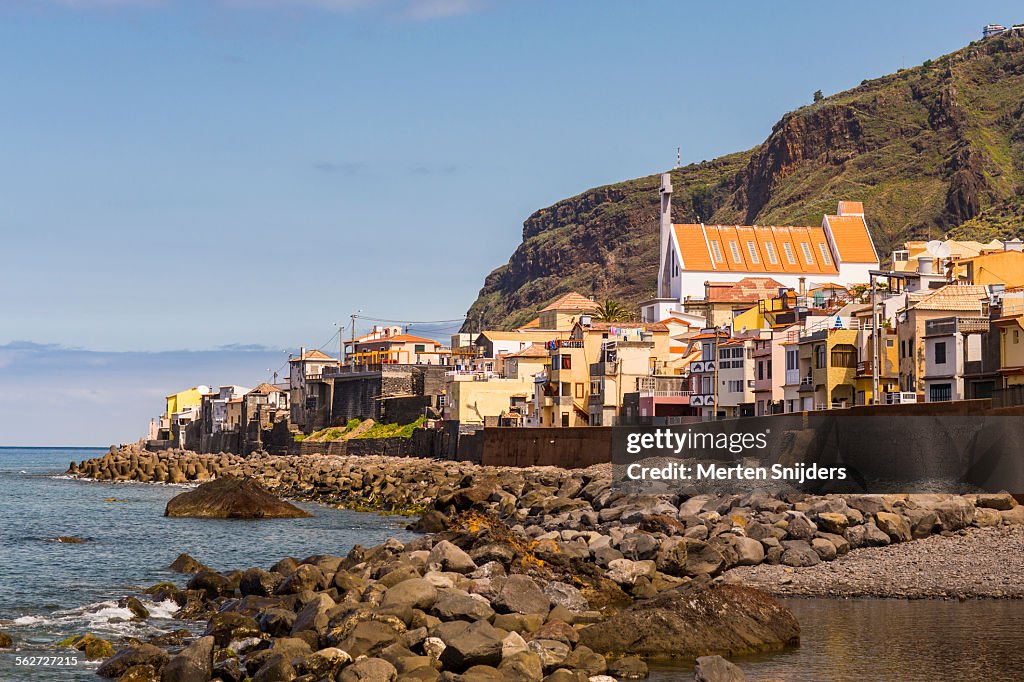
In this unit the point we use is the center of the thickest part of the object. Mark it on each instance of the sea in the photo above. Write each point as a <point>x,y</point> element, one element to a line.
<point>51,590</point>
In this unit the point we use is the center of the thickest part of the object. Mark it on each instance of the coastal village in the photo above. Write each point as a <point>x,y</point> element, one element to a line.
<point>526,557</point>
<point>748,321</point>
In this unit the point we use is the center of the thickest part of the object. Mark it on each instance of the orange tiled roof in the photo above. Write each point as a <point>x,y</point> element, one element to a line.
<point>400,338</point>
<point>524,335</point>
<point>745,248</point>
<point>851,237</point>
<point>265,389</point>
<point>572,301</point>
<point>534,350</point>
<point>747,290</point>
<point>311,355</point>
<point>954,297</point>
<point>649,326</point>
<point>532,324</point>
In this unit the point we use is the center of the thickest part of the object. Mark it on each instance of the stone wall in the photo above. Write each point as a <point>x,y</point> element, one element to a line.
<point>571,448</point>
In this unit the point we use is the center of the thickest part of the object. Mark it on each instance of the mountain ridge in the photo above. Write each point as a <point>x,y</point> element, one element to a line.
<point>934,150</point>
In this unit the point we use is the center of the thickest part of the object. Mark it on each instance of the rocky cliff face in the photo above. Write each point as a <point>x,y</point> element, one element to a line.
<point>931,151</point>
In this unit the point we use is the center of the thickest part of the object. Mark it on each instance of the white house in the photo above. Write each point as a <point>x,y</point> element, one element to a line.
<point>840,251</point>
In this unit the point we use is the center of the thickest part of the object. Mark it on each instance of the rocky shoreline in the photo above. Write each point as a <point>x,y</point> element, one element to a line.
<point>525,573</point>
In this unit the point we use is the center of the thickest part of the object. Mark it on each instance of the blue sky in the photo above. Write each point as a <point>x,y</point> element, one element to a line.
<point>198,174</point>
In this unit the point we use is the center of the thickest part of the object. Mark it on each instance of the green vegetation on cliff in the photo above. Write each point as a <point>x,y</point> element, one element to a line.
<point>931,151</point>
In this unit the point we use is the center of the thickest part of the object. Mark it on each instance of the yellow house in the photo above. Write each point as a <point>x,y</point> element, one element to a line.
<point>906,259</point>
<point>888,353</point>
<point>183,401</point>
<point>471,401</point>
<point>1011,344</point>
<point>565,311</point>
<point>725,301</point>
<point>828,359</point>
<point>1001,267</point>
<point>562,395</point>
<point>528,362</point>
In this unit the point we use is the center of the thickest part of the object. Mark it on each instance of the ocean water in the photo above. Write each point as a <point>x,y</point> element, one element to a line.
<point>51,590</point>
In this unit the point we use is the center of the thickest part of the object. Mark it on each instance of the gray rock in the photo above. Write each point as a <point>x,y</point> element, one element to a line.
<point>717,669</point>
<point>824,548</point>
<point>565,595</point>
<point>455,604</point>
<point>798,553</point>
<point>140,654</point>
<point>193,664</point>
<point>417,593</point>
<point>314,615</point>
<point>552,653</point>
<point>997,501</point>
<point>520,594</point>
<point>469,644</point>
<point>628,668</point>
<point>451,558</point>
<point>369,670</point>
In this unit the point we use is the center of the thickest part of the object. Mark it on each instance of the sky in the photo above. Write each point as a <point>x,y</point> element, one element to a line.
<point>239,176</point>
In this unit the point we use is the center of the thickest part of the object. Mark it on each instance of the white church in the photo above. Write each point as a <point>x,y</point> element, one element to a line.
<point>839,252</point>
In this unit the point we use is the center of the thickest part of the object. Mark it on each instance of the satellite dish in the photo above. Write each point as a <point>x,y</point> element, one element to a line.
<point>937,249</point>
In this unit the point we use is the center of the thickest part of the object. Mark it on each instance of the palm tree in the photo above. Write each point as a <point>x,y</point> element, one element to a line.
<point>611,311</point>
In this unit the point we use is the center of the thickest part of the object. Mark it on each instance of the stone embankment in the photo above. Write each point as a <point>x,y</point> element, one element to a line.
<point>526,573</point>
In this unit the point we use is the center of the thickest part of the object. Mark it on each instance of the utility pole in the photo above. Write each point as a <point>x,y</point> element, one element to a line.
<point>714,395</point>
<point>874,339</point>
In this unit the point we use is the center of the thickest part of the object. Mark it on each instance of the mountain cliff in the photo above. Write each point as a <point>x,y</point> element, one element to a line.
<point>931,151</point>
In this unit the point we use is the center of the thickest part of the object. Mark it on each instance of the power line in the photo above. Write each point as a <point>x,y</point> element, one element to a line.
<point>409,322</point>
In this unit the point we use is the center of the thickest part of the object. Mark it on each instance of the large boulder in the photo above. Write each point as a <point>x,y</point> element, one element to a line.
<point>232,498</point>
<point>717,669</point>
<point>140,654</point>
<point>193,664</point>
<point>691,622</point>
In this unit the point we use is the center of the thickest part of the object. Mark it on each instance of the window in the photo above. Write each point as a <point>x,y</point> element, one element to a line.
<point>823,247</point>
<point>940,352</point>
<point>580,391</point>
<point>735,386</point>
<point>565,419</point>
<point>773,257</point>
<point>566,389</point>
<point>717,251</point>
<point>788,248</point>
<point>792,359</point>
<point>566,362</point>
<point>441,401</point>
<point>844,355</point>
<point>760,370</point>
<point>819,356</point>
<point>731,357</point>
<point>1016,335</point>
<point>735,249</point>
<point>752,250</point>
<point>903,349</point>
<point>420,348</point>
<point>940,393</point>
<point>706,386</point>
<point>595,387</point>
<point>807,253</point>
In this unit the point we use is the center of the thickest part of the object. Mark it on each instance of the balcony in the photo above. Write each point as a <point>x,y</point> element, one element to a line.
<point>807,384</point>
<point>665,394</point>
<point>604,369</point>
